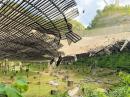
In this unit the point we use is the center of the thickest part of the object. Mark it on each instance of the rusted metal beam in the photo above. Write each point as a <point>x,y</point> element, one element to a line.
<point>49,19</point>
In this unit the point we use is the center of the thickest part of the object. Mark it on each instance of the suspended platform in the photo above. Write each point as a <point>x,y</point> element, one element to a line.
<point>32,29</point>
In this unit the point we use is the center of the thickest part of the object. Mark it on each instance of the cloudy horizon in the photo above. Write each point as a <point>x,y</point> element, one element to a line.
<point>90,7</point>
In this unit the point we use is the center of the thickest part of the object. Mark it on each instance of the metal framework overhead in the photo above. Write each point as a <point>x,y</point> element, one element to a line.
<point>30,29</point>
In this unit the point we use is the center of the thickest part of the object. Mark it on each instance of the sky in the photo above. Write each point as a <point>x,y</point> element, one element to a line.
<point>90,7</point>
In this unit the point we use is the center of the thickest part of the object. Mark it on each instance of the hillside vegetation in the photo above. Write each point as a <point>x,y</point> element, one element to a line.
<point>111,16</point>
<point>78,27</point>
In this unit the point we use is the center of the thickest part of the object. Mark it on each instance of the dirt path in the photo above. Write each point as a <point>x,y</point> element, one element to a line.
<point>88,43</point>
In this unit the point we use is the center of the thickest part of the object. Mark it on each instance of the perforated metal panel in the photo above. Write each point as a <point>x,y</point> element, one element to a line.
<point>30,29</point>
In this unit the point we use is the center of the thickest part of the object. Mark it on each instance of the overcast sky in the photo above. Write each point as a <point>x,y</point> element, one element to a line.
<point>90,7</point>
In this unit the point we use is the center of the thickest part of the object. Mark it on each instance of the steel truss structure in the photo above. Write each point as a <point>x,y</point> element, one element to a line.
<point>31,29</point>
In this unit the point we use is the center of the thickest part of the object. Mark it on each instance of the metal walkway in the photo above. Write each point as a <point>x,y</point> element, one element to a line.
<point>32,29</point>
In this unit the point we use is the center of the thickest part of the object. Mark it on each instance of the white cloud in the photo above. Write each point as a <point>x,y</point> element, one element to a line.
<point>100,4</point>
<point>83,4</point>
<point>125,2</point>
<point>90,7</point>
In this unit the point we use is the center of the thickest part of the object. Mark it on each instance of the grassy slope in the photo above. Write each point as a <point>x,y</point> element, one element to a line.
<point>43,90</point>
<point>78,27</point>
<point>111,16</point>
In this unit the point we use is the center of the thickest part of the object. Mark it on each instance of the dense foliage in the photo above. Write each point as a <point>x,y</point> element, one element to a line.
<point>15,89</point>
<point>116,61</point>
<point>21,85</point>
<point>110,61</point>
<point>78,27</point>
<point>122,90</point>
